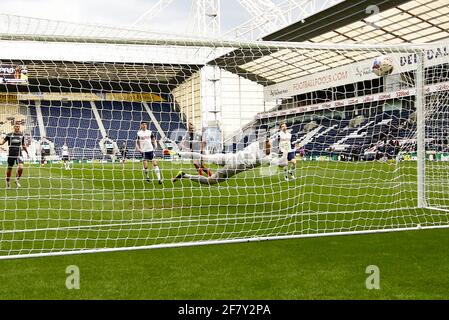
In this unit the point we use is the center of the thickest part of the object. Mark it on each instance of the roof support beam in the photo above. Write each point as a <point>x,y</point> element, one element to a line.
<point>335,17</point>
<point>330,19</point>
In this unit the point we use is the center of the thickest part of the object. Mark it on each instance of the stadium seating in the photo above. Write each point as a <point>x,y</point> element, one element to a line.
<point>335,136</point>
<point>74,123</point>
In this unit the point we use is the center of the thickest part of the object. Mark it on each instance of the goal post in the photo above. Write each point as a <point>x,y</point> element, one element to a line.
<point>420,127</point>
<point>129,119</point>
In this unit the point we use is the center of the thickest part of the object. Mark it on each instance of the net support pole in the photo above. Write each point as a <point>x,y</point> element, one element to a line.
<point>421,130</point>
<point>98,118</point>
<point>40,119</point>
<point>154,120</point>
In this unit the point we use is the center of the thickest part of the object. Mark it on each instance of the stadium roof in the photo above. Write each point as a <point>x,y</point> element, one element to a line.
<point>50,59</point>
<point>99,76</point>
<point>398,22</point>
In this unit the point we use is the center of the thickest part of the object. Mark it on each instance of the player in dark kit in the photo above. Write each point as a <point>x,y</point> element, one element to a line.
<point>16,141</point>
<point>45,150</point>
<point>124,152</point>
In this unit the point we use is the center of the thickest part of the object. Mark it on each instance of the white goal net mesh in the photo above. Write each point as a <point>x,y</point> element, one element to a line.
<point>132,140</point>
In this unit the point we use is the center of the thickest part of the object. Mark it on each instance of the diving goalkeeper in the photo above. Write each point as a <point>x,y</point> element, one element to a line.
<point>253,156</point>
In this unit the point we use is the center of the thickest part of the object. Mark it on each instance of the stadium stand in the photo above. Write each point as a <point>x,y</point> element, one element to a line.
<point>323,136</point>
<point>74,123</point>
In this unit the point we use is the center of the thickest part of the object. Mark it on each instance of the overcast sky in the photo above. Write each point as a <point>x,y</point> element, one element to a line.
<point>120,12</point>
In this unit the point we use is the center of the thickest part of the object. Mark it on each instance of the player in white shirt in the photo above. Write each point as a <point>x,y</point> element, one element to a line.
<point>66,156</point>
<point>288,153</point>
<point>145,144</point>
<point>256,154</point>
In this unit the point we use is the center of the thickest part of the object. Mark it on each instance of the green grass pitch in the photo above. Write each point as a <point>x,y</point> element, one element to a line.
<point>104,206</point>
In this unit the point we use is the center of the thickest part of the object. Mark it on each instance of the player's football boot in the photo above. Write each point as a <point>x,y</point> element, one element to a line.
<point>178,176</point>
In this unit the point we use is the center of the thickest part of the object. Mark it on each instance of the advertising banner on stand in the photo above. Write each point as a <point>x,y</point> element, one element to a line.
<point>13,74</point>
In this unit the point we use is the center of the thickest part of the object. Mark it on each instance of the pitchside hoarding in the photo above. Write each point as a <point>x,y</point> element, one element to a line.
<point>444,86</point>
<point>13,74</point>
<point>352,73</point>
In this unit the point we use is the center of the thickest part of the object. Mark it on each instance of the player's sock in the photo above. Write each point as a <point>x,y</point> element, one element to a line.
<point>19,173</point>
<point>203,171</point>
<point>286,172</point>
<point>8,179</point>
<point>158,173</point>
<point>145,173</point>
<point>292,171</point>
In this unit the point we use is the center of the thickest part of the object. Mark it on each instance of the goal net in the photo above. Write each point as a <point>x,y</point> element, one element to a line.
<point>135,141</point>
